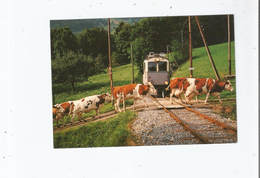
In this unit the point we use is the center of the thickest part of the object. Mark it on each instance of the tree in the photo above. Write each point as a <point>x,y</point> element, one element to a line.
<point>179,50</point>
<point>141,48</point>
<point>62,40</point>
<point>93,42</point>
<point>155,29</point>
<point>98,64</point>
<point>115,59</point>
<point>122,42</point>
<point>71,68</point>
<point>119,27</point>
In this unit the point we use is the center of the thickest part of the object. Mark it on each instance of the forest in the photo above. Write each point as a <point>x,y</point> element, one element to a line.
<point>76,56</point>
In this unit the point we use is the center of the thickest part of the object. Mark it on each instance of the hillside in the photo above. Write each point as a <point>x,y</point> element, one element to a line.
<point>78,26</point>
<point>202,65</point>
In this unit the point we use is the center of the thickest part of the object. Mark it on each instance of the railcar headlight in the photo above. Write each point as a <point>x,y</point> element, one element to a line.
<point>157,59</point>
<point>166,83</point>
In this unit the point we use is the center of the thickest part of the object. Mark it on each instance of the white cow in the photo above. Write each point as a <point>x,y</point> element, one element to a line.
<point>87,104</point>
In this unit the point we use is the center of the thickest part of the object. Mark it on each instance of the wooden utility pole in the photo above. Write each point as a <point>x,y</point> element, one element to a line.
<point>132,61</point>
<point>110,65</point>
<point>190,48</point>
<point>229,53</point>
<point>206,46</point>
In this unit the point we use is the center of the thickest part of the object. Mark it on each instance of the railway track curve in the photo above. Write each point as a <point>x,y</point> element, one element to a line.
<point>201,126</point>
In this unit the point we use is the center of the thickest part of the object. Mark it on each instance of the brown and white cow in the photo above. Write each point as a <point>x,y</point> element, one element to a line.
<point>84,105</point>
<point>132,91</point>
<point>200,86</point>
<point>61,110</point>
<point>177,86</point>
<point>56,115</point>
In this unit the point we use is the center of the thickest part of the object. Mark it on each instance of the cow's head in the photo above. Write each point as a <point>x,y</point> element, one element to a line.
<point>59,108</point>
<point>151,88</point>
<point>228,86</point>
<point>108,97</point>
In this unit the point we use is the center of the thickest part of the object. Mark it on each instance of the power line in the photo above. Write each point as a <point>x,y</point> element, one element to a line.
<point>213,19</point>
<point>214,22</point>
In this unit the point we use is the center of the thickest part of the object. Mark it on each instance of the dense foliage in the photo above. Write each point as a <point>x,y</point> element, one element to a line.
<point>94,42</point>
<point>62,40</point>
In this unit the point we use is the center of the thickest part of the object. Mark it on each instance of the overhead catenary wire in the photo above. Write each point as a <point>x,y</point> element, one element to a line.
<point>208,25</point>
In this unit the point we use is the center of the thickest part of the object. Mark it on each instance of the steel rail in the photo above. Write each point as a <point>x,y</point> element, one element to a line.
<point>183,124</point>
<point>232,129</point>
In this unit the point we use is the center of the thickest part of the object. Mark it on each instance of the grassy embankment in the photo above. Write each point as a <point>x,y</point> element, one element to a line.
<point>110,132</point>
<point>203,69</point>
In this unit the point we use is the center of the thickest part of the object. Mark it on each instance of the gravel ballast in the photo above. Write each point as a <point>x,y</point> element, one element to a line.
<point>156,127</point>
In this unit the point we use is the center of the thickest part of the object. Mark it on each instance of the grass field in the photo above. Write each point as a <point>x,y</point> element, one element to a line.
<point>115,131</point>
<point>111,132</point>
<point>202,65</point>
<point>97,84</point>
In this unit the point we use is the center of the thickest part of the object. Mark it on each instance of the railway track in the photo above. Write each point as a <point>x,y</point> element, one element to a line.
<point>202,127</point>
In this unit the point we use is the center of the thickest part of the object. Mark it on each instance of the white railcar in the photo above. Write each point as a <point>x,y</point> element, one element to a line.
<point>156,71</point>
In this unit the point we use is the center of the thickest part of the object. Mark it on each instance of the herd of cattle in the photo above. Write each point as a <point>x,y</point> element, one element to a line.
<point>190,87</point>
<point>197,86</point>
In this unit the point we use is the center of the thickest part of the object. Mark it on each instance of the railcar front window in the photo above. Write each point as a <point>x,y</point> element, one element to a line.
<point>162,66</point>
<point>152,66</point>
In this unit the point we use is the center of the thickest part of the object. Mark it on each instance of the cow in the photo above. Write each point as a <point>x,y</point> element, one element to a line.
<point>60,110</point>
<point>84,105</point>
<point>132,91</point>
<point>208,86</point>
<point>177,86</point>
<point>57,116</point>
